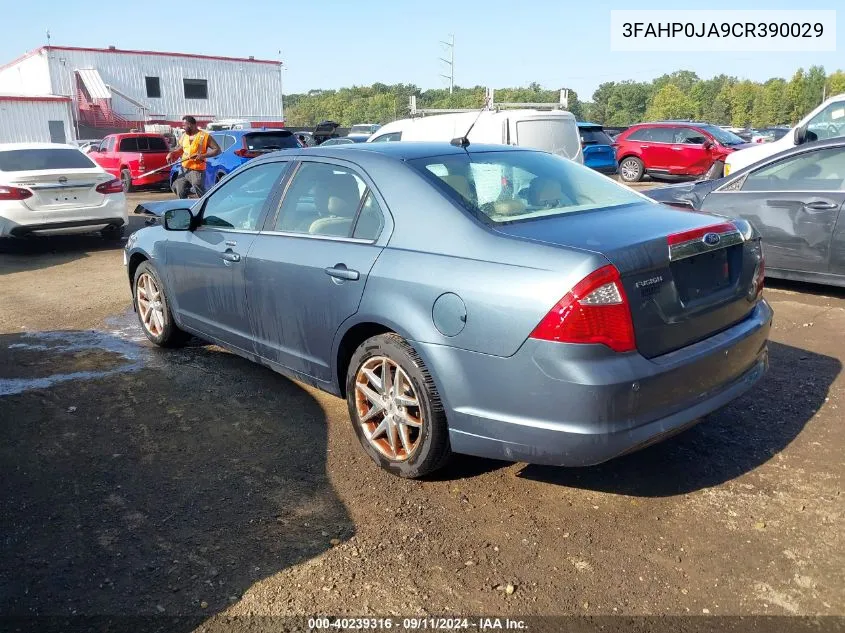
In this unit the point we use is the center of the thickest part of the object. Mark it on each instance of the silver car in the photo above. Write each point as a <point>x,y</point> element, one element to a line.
<point>485,300</point>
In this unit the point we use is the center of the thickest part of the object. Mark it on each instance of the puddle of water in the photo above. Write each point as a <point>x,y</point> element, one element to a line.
<point>123,339</point>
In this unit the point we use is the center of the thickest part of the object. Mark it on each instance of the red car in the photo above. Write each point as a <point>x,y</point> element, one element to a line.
<point>674,149</point>
<point>127,156</point>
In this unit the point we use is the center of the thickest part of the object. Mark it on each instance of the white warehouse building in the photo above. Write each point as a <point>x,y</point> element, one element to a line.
<point>112,89</point>
<point>43,119</point>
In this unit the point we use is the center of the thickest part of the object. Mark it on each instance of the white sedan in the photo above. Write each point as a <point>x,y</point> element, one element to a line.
<point>50,188</point>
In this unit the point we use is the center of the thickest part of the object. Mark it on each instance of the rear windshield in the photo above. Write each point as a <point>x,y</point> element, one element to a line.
<point>143,144</point>
<point>594,136</point>
<point>361,129</point>
<point>271,141</point>
<point>37,159</point>
<point>503,187</point>
<point>555,135</point>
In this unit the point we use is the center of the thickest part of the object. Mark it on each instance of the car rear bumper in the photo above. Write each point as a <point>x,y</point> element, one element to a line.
<point>568,405</point>
<point>17,220</point>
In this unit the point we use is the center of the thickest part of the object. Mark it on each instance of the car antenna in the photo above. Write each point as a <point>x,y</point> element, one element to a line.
<point>463,141</point>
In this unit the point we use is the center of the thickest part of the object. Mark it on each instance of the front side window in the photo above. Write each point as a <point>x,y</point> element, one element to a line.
<point>195,88</point>
<point>689,136</point>
<point>325,199</point>
<point>502,187</point>
<point>820,170</point>
<point>829,123</point>
<point>238,203</point>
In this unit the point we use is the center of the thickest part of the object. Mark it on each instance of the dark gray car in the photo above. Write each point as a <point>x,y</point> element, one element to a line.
<point>491,300</point>
<point>794,199</point>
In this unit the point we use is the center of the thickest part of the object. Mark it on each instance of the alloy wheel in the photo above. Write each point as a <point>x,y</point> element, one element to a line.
<point>150,305</point>
<point>629,170</point>
<point>388,409</point>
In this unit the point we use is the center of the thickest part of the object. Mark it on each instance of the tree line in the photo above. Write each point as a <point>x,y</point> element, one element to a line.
<point>723,100</point>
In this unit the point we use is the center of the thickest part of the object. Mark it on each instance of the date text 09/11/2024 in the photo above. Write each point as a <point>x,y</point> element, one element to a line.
<point>416,624</point>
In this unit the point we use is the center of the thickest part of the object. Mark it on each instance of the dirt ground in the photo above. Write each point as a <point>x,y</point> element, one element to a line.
<point>139,481</point>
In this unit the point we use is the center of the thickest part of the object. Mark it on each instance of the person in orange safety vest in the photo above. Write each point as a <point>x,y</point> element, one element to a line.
<point>195,146</point>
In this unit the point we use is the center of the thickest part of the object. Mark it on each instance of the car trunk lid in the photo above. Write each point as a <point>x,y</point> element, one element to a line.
<point>60,189</point>
<point>687,275</point>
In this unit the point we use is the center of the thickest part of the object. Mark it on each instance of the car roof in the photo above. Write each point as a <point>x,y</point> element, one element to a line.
<point>668,123</point>
<point>398,150</point>
<point>4,147</point>
<point>252,130</point>
<point>588,124</point>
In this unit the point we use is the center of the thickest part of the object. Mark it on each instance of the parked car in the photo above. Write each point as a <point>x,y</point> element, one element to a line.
<point>614,131</point>
<point>342,140</point>
<point>553,131</point>
<point>85,144</point>
<point>486,300</point>
<point>672,150</point>
<point>305,138</point>
<point>599,150</point>
<point>826,121</point>
<point>794,199</point>
<point>238,147</point>
<point>129,156</point>
<point>51,188</point>
<point>364,130</point>
<point>769,134</point>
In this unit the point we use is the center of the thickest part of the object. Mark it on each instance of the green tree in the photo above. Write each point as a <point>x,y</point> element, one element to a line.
<point>670,103</point>
<point>683,79</point>
<point>836,83</point>
<point>627,103</point>
<point>743,96</point>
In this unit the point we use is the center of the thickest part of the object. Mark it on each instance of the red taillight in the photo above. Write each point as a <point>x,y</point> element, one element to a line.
<point>245,153</point>
<point>110,186</point>
<point>14,193</point>
<point>596,310</point>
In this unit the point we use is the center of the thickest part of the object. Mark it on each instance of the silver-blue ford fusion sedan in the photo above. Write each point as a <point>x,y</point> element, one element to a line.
<point>484,300</point>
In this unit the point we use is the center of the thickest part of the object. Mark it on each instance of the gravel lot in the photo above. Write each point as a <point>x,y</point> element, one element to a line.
<point>142,481</point>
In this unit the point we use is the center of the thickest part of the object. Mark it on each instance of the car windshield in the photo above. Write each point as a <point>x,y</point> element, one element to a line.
<point>503,187</point>
<point>37,159</point>
<point>723,136</point>
<point>271,141</point>
<point>361,129</point>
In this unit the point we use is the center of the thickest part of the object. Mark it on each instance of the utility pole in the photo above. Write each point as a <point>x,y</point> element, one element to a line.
<point>450,61</point>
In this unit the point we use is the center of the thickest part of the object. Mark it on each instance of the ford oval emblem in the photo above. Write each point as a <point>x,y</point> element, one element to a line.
<point>62,179</point>
<point>711,239</point>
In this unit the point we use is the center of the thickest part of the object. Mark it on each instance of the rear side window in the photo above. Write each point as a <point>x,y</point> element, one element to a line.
<point>594,136</point>
<point>271,141</point>
<point>552,135</point>
<point>143,144</point>
<point>390,136</point>
<point>37,159</point>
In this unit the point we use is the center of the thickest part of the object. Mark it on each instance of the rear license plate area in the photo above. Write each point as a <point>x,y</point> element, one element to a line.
<point>706,274</point>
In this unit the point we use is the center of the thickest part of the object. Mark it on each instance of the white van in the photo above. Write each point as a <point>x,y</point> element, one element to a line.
<point>554,131</point>
<point>826,121</point>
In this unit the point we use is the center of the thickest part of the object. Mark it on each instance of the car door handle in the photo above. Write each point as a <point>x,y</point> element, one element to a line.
<point>821,205</point>
<point>677,149</point>
<point>229,256</point>
<point>340,271</point>
<point>644,146</point>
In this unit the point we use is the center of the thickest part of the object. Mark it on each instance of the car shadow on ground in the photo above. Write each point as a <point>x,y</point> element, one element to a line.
<point>726,444</point>
<point>818,290</point>
<point>140,484</point>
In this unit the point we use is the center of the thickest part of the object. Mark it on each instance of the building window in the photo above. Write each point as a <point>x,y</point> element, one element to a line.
<point>153,87</point>
<point>196,88</point>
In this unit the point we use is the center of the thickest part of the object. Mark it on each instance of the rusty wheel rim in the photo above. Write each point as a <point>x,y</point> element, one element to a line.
<point>150,306</point>
<point>388,408</point>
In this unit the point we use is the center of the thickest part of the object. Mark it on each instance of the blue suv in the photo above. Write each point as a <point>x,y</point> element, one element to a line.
<point>599,149</point>
<point>239,147</point>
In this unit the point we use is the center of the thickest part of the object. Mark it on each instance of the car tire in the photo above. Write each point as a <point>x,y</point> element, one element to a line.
<point>220,176</point>
<point>126,179</point>
<point>156,321</point>
<point>631,169</point>
<point>112,233</point>
<point>402,449</point>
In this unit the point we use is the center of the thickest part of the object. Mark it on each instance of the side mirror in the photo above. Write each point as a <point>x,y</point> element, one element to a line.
<point>708,144</point>
<point>800,135</point>
<point>178,220</point>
